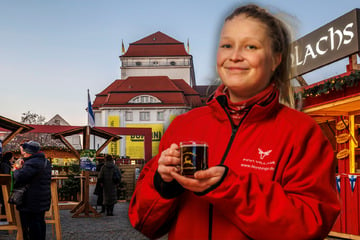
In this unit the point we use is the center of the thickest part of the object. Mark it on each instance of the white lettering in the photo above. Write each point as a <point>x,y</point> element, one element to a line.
<point>318,50</point>
<point>333,41</point>
<point>297,56</point>
<point>348,33</point>
<point>309,51</point>
<point>332,38</point>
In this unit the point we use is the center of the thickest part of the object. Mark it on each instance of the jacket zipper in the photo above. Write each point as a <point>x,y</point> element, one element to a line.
<point>234,130</point>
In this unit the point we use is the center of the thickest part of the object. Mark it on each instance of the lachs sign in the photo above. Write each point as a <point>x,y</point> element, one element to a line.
<point>331,42</point>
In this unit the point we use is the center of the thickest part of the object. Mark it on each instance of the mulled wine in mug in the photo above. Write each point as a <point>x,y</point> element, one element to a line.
<point>193,156</point>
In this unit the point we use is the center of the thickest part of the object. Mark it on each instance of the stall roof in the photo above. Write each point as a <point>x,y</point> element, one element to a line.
<point>343,101</point>
<point>13,126</point>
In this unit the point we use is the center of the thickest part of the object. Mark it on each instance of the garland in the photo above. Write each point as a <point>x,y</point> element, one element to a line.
<point>337,83</point>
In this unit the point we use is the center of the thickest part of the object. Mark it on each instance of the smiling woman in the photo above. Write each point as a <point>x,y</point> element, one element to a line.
<point>270,169</point>
<point>245,60</point>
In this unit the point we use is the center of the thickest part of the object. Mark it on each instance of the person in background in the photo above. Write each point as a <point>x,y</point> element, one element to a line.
<point>98,187</point>
<point>35,170</point>
<point>106,177</point>
<point>5,168</point>
<point>271,170</point>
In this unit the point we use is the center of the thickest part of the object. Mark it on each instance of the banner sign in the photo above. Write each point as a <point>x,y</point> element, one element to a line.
<point>329,43</point>
<point>135,143</point>
<point>88,160</point>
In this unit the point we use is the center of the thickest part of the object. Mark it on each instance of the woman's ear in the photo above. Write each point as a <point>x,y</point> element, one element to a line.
<point>276,61</point>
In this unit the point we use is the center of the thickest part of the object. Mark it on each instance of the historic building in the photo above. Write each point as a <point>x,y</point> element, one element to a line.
<point>157,76</point>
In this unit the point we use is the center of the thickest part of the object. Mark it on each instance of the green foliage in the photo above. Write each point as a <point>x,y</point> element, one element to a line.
<point>332,84</point>
<point>71,185</point>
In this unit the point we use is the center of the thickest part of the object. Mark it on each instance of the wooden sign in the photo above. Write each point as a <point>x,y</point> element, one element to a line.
<point>342,138</point>
<point>340,125</point>
<point>342,154</point>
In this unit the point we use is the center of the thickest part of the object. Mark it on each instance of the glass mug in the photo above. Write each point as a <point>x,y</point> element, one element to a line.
<point>193,157</point>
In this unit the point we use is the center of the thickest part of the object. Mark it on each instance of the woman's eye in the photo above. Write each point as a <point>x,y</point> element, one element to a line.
<point>251,47</point>
<point>225,46</point>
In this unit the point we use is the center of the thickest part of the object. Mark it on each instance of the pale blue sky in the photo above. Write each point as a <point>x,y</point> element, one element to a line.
<point>51,52</point>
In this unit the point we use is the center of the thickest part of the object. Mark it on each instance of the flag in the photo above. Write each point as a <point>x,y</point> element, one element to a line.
<point>188,46</point>
<point>338,183</point>
<point>91,117</point>
<point>352,179</point>
<point>122,47</point>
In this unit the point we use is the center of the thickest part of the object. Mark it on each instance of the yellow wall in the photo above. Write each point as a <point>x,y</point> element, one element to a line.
<point>114,147</point>
<point>135,144</point>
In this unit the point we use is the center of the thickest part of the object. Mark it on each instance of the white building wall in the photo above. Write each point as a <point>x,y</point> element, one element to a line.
<point>103,115</point>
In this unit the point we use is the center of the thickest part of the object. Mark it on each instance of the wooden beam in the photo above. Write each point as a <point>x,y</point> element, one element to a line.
<point>301,81</point>
<point>11,136</point>
<point>72,149</point>
<point>103,146</point>
<point>86,138</point>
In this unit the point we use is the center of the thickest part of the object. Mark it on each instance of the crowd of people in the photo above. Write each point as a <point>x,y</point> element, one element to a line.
<point>33,171</point>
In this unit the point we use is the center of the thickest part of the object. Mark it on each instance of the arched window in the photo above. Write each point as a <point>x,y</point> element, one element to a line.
<point>144,99</point>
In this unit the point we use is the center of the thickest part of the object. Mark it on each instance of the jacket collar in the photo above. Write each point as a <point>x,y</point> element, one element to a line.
<point>259,111</point>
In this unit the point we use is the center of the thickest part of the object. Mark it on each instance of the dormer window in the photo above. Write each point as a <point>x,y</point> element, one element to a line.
<point>144,99</point>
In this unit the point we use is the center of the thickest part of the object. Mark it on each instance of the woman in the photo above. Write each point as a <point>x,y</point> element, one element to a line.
<point>34,170</point>
<point>106,178</point>
<point>271,170</point>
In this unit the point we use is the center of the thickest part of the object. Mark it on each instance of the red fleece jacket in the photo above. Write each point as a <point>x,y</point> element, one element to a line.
<point>279,181</point>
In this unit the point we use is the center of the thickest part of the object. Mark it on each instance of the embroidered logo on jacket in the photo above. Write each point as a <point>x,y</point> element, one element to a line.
<point>264,154</point>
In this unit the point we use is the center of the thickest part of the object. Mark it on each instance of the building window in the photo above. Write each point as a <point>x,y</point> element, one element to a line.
<point>155,62</point>
<point>144,116</point>
<point>144,99</point>
<point>160,116</point>
<point>128,116</point>
<point>138,63</point>
<point>172,63</point>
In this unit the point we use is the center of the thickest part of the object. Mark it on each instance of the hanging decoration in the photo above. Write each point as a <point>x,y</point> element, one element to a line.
<point>338,183</point>
<point>352,181</point>
<point>336,83</point>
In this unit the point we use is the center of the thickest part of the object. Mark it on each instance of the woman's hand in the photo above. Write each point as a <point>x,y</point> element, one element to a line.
<point>169,162</point>
<point>202,180</point>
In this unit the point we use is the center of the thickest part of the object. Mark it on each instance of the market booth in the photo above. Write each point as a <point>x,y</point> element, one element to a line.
<point>338,114</point>
<point>334,104</point>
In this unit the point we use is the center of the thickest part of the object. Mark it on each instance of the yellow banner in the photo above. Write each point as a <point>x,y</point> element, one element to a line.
<point>135,143</point>
<point>114,147</point>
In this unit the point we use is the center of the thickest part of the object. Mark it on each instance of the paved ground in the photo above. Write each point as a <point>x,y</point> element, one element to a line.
<point>103,228</point>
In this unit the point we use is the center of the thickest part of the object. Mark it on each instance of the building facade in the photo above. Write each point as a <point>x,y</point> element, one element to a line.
<point>156,82</point>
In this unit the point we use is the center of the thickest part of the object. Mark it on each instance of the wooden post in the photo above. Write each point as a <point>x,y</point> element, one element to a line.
<point>84,205</point>
<point>11,213</point>
<point>53,215</point>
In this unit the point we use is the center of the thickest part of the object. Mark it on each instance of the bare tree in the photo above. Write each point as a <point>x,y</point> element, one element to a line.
<point>32,118</point>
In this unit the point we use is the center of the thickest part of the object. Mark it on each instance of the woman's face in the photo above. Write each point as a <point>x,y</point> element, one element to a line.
<point>245,60</point>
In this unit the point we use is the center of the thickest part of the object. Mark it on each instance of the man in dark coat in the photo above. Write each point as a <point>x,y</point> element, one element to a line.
<point>107,178</point>
<point>35,170</point>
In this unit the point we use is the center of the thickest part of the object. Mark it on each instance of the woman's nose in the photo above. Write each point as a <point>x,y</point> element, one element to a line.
<point>237,55</point>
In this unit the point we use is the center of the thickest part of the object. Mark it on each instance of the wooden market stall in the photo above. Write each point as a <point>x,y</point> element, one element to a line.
<point>337,111</point>
<point>334,104</point>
